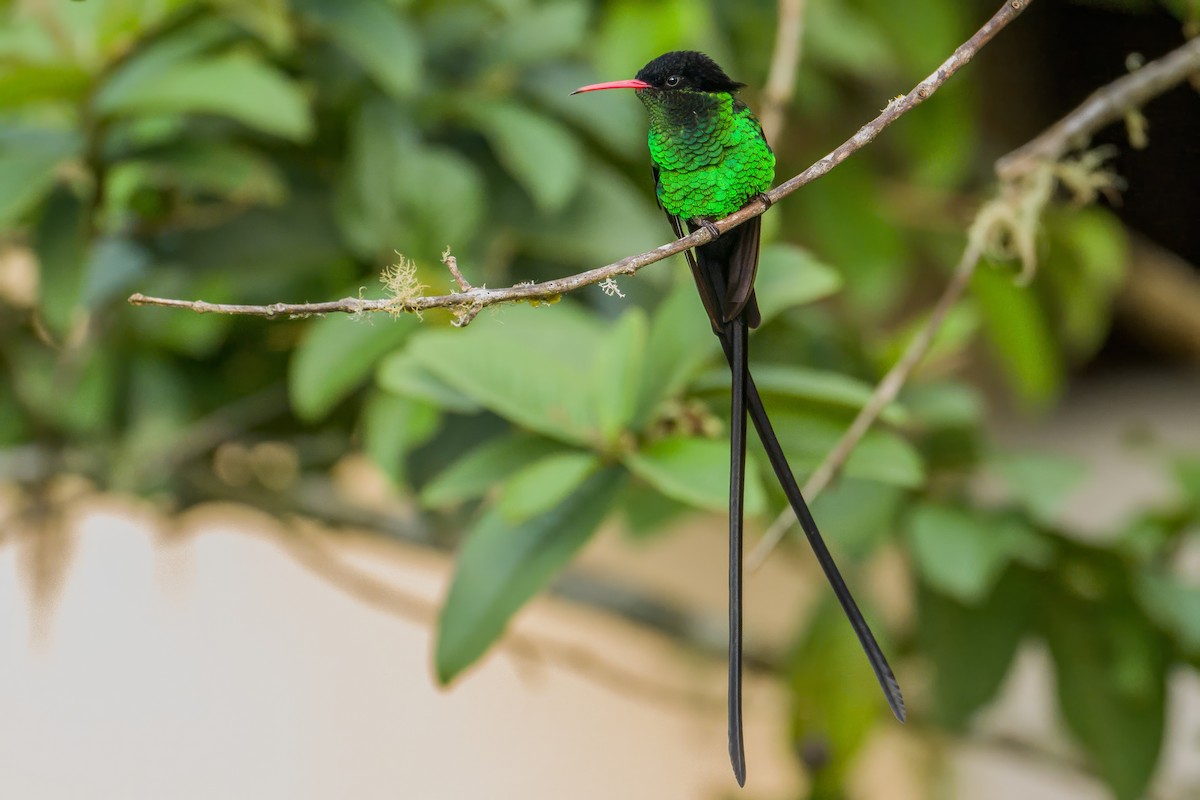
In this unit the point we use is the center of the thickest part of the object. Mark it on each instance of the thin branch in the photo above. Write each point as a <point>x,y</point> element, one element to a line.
<point>1105,106</point>
<point>781,79</point>
<point>481,297</point>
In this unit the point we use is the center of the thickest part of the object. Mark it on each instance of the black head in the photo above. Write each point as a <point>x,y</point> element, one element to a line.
<point>687,69</point>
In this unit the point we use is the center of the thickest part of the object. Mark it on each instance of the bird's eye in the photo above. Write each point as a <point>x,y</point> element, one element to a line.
<point>673,80</point>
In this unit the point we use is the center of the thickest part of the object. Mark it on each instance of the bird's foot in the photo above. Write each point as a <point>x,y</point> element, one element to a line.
<point>709,226</point>
<point>765,199</point>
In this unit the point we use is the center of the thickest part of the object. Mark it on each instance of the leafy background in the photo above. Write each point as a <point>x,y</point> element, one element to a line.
<point>258,152</point>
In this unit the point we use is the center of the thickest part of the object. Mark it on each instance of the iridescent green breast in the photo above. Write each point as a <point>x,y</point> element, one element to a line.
<point>709,150</point>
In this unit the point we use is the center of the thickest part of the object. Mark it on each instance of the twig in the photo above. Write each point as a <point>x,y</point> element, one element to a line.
<point>781,79</point>
<point>1106,105</point>
<point>452,264</point>
<point>548,290</point>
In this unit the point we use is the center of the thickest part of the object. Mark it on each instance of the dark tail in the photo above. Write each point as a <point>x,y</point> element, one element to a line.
<point>783,472</point>
<point>736,335</point>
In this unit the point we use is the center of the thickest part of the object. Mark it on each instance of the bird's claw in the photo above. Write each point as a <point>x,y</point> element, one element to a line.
<point>711,227</point>
<point>765,199</point>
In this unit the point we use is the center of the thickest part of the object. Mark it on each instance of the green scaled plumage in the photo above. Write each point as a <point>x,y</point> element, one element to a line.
<point>710,152</point>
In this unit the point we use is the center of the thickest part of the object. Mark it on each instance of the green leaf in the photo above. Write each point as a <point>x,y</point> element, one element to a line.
<point>531,366</point>
<point>694,471</point>
<point>540,486</point>
<point>23,84</point>
<point>647,511</point>
<point>790,276</point>
<point>1039,482</point>
<point>834,698</point>
<point>860,514</point>
<point>609,218</point>
<point>392,426</point>
<point>616,373</point>
<point>402,374</point>
<point>29,161</point>
<point>377,37</point>
<point>542,155</point>
<point>443,193</point>
<point>236,173</point>
<point>962,555</point>
<point>540,32</point>
<point>500,566</point>
<point>488,465</point>
<point>679,343</point>
<point>803,383</point>
<point>1111,674</point>
<point>972,646</point>
<point>881,455</point>
<point>1173,605</point>
<point>112,267</point>
<point>1020,335</point>
<point>60,241</point>
<point>76,396</point>
<point>336,356</point>
<point>235,85</point>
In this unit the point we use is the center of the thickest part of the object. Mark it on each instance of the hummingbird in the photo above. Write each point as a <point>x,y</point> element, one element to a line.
<point>709,158</point>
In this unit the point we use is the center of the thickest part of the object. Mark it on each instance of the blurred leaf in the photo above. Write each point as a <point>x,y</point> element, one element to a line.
<point>444,194</point>
<point>972,646</point>
<point>955,333</point>
<point>376,36</point>
<point>235,85</point>
<point>860,514</point>
<point>29,160</point>
<point>112,267</point>
<point>1174,605</point>
<point>336,356</point>
<point>22,84</point>
<point>269,20</point>
<point>501,566</point>
<point>487,465</point>
<point>60,242</point>
<point>238,174</point>
<point>74,393</point>
<point>944,404</point>
<point>540,486</point>
<point>846,222</point>
<point>1111,674</point>
<point>1018,331</point>
<point>608,219</point>
<point>1187,475</point>
<point>647,511</point>
<point>790,276</point>
<point>882,456</point>
<point>1039,482</point>
<point>614,121</point>
<point>538,152</point>
<point>804,383</point>
<point>843,40</point>
<point>540,32</point>
<point>372,180</point>
<point>835,705</point>
<point>401,374</point>
<point>616,372</point>
<point>962,555</point>
<point>631,32</point>
<point>548,388</point>
<point>679,342</point>
<point>392,426</point>
<point>696,472</point>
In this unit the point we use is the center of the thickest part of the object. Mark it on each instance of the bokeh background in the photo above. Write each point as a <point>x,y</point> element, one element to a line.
<point>240,557</point>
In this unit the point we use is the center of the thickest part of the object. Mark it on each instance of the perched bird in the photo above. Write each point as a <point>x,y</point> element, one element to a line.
<point>709,159</point>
